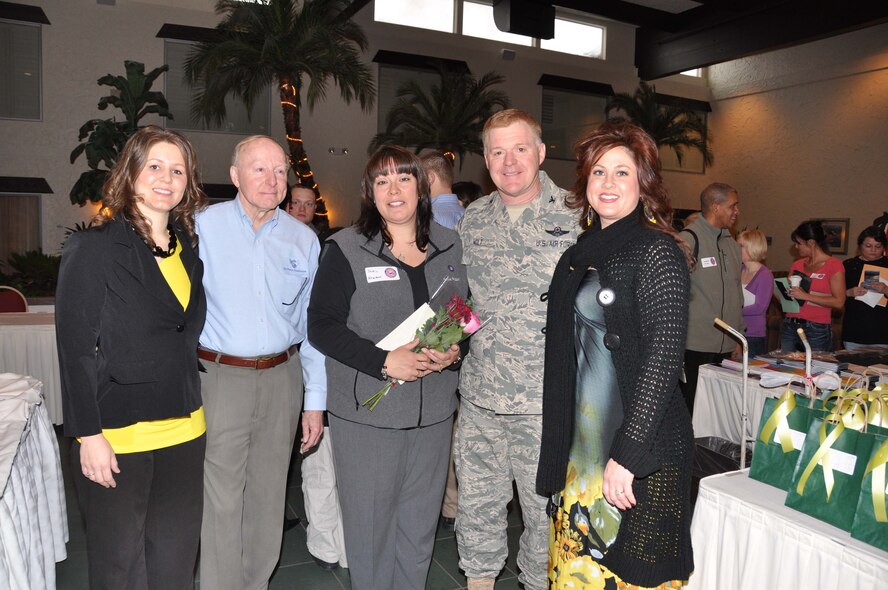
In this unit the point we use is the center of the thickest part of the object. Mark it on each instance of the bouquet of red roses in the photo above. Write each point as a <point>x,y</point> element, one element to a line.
<point>452,323</point>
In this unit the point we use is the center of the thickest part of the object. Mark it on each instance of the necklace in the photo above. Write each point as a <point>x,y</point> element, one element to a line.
<point>401,255</point>
<point>160,253</point>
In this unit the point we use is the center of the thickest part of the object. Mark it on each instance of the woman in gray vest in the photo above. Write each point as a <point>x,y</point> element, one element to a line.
<point>391,463</point>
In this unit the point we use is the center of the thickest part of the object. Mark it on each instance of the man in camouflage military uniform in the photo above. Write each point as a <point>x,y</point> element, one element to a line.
<point>512,240</point>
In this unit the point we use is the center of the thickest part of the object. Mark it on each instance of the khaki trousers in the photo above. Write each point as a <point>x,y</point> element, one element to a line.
<point>252,418</point>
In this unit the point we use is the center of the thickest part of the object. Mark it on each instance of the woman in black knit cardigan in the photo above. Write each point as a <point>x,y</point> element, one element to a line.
<point>617,444</point>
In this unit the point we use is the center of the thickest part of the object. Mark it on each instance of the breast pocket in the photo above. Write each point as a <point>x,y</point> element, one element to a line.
<point>289,292</point>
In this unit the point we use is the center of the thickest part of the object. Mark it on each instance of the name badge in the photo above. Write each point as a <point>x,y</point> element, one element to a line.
<point>708,262</point>
<point>818,275</point>
<point>381,273</point>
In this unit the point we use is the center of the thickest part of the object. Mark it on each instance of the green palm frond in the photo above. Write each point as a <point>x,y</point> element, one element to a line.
<point>449,116</point>
<point>105,138</point>
<point>265,43</point>
<point>675,127</point>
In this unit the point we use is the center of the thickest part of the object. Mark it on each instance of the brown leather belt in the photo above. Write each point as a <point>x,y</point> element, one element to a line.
<point>258,363</point>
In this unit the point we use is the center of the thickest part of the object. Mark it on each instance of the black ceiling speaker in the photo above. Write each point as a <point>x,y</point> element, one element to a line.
<point>525,17</point>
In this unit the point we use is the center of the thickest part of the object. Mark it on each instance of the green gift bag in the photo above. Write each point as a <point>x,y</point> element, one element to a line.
<point>827,477</point>
<point>871,519</point>
<point>782,432</point>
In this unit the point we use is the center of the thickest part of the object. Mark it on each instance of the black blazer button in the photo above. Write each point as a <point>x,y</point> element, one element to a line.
<point>612,341</point>
<point>180,328</point>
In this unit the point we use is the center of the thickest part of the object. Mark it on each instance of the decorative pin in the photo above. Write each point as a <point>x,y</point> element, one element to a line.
<point>606,296</point>
<point>450,267</point>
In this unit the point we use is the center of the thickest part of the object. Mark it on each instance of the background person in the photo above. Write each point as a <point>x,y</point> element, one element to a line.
<point>863,324</point>
<point>446,208</point>
<point>129,309</point>
<point>716,290</point>
<point>323,530</point>
<point>758,287</point>
<point>618,445</point>
<point>301,203</point>
<point>467,192</point>
<point>824,292</point>
<point>260,264</point>
<point>391,463</point>
<point>513,238</point>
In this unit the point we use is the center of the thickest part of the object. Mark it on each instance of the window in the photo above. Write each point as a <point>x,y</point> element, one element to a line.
<point>692,160</point>
<point>20,70</point>
<point>573,33</point>
<point>19,225</point>
<point>390,80</point>
<point>577,38</point>
<point>478,21</point>
<point>571,108</point>
<point>436,15</point>
<point>396,68</point>
<point>178,94</point>
<point>696,73</point>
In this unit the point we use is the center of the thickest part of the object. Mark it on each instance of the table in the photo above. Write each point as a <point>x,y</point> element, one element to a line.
<point>28,347</point>
<point>718,404</point>
<point>33,517</point>
<point>744,537</point>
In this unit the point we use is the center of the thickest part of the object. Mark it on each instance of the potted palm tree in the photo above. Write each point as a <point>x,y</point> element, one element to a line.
<point>449,116</point>
<point>676,127</point>
<point>282,42</point>
<point>105,138</point>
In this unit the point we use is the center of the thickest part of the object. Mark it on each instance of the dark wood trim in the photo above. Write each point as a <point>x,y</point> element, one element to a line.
<point>24,185</point>
<point>575,85</point>
<point>667,100</point>
<point>710,35</point>
<point>187,33</point>
<point>419,62</point>
<point>23,12</point>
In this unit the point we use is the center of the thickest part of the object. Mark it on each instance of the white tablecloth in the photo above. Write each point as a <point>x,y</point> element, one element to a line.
<point>28,347</point>
<point>718,404</point>
<point>33,517</point>
<point>744,537</point>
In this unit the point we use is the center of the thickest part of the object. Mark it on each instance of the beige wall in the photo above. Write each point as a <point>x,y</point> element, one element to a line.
<point>800,132</point>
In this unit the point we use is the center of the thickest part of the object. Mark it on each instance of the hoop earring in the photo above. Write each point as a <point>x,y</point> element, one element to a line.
<point>649,214</point>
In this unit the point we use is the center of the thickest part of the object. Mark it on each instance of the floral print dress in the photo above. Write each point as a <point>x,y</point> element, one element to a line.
<point>583,525</point>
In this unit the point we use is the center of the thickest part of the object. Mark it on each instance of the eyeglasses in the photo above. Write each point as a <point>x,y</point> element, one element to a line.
<point>306,204</point>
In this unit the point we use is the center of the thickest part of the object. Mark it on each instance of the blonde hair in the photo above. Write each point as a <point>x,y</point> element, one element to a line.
<point>756,244</point>
<point>505,118</point>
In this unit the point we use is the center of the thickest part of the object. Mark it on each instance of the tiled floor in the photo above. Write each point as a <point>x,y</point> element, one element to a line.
<point>297,570</point>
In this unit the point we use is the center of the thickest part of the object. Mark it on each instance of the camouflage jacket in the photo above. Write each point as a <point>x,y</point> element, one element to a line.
<point>510,266</point>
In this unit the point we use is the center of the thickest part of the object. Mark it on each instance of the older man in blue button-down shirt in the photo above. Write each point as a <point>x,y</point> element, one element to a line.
<point>259,267</point>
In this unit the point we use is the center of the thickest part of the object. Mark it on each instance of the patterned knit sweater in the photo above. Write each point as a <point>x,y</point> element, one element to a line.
<point>647,327</point>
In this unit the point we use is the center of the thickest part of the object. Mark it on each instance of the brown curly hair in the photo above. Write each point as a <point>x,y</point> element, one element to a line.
<point>653,194</point>
<point>119,194</point>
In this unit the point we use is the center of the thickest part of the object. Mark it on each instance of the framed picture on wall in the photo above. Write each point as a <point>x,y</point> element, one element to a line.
<point>836,234</point>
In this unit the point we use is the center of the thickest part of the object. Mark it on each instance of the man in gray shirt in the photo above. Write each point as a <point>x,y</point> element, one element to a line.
<point>716,290</point>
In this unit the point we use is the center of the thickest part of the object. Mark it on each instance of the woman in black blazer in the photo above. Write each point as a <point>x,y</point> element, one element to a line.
<point>130,307</point>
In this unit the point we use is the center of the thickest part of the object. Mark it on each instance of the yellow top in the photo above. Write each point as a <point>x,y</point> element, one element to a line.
<point>158,434</point>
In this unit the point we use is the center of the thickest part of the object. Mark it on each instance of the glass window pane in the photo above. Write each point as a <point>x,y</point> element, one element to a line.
<point>566,117</point>
<point>423,14</point>
<point>19,71</point>
<point>390,80</point>
<point>576,38</point>
<point>478,22</point>
<point>19,225</point>
<point>178,94</point>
